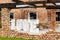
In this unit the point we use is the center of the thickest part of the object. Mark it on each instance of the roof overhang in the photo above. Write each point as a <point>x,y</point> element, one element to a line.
<point>31,5</point>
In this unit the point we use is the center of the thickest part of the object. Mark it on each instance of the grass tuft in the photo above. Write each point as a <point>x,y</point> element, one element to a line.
<point>6,38</point>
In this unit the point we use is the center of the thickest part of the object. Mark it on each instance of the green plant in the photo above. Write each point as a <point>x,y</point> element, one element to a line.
<point>10,38</point>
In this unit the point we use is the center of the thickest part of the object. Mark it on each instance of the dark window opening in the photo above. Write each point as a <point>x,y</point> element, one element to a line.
<point>11,15</point>
<point>57,16</point>
<point>15,0</point>
<point>33,15</point>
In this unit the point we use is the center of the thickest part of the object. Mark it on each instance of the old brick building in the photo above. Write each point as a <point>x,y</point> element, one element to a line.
<point>47,19</point>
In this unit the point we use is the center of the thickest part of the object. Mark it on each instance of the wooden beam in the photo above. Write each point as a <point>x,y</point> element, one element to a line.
<point>13,5</point>
<point>53,7</point>
<point>47,7</point>
<point>7,5</point>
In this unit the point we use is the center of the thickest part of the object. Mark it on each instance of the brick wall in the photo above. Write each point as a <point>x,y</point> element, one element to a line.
<point>6,1</point>
<point>10,1</point>
<point>5,21</point>
<point>53,19</point>
<point>42,13</point>
<point>42,16</point>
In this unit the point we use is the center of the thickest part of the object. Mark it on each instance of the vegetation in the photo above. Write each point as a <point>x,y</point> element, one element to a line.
<point>6,38</point>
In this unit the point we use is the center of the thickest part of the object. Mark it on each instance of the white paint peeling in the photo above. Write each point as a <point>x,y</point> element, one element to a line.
<point>12,24</point>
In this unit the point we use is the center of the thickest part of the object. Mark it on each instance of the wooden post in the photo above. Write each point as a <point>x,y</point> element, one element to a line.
<point>53,19</point>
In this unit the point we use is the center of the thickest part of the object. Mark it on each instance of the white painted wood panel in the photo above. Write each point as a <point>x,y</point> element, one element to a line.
<point>12,24</point>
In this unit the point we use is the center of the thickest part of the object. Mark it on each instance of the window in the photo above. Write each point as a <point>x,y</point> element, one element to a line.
<point>57,16</point>
<point>11,15</point>
<point>15,0</point>
<point>33,15</point>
